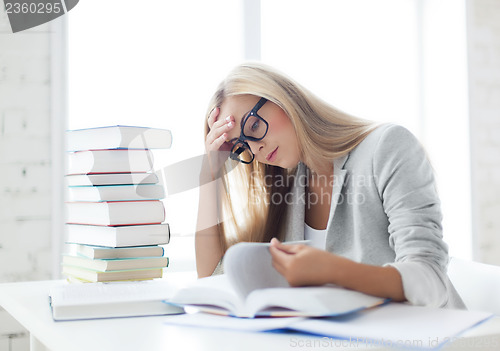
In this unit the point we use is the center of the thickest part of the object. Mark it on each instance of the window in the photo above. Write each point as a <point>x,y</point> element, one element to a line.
<point>156,63</point>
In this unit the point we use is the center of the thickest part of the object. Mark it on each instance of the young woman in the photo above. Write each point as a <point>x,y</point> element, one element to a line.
<point>298,168</point>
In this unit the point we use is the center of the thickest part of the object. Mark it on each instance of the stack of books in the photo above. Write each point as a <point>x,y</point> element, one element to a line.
<point>115,216</point>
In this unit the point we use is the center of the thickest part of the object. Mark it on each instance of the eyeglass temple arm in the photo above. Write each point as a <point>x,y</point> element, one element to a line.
<point>259,104</point>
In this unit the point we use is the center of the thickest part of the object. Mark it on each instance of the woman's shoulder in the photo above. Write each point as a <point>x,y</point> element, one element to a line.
<point>388,133</point>
<point>387,143</point>
<point>387,137</point>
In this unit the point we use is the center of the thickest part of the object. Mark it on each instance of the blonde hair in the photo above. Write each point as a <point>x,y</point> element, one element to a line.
<point>323,133</point>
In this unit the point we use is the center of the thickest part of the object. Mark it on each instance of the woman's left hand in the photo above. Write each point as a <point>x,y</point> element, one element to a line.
<point>304,265</point>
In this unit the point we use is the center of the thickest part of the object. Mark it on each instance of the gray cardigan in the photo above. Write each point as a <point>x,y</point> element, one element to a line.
<point>385,211</point>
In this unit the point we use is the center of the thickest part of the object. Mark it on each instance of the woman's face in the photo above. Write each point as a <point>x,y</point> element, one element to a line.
<point>280,145</point>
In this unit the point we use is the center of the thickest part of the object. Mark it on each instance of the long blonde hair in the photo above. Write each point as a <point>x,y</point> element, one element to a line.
<point>323,133</point>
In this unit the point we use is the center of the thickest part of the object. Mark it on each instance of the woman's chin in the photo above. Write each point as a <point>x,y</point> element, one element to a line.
<point>289,164</point>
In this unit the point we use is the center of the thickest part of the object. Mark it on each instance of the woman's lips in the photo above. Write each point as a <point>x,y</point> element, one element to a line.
<point>272,156</point>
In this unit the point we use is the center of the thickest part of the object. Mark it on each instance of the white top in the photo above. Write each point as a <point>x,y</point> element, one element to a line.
<point>316,236</point>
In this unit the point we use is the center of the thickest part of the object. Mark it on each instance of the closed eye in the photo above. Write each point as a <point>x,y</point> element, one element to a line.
<point>255,125</point>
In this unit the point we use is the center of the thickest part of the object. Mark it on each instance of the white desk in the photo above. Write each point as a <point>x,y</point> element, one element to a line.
<point>28,303</point>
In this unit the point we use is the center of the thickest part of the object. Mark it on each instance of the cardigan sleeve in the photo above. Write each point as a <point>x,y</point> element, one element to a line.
<point>406,186</point>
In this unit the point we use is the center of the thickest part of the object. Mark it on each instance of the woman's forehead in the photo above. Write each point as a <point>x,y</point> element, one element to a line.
<point>238,105</point>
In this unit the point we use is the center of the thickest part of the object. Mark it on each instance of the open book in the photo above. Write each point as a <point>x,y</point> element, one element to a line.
<point>251,287</point>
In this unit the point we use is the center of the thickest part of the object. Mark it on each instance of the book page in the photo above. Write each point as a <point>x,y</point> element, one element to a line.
<point>249,267</point>
<point>208,292</point>
<point>314,301</point>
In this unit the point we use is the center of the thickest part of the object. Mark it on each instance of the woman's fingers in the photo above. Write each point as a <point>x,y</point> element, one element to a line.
<point>275,242</point>
<point>217,130</point>
<point>289,249</point>
<point>212,116</point>
<point>279,258</point>
<point>217,143</point>
<point>294,248</point>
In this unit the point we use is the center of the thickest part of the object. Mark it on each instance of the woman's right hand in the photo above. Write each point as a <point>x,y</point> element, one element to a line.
<point>217,146</point>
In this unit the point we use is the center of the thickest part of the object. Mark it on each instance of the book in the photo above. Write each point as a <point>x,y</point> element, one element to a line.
<point>119,136</point>
<point>110,276</point>
<point>251,287</point>
<point>111,179</point>
<point>116,192</point>
<point>118,236</point>
<point>97,300</point>
<point>110,161</point>
<point>99,252</point>
<point>115,264</point>
<point>115,212</point>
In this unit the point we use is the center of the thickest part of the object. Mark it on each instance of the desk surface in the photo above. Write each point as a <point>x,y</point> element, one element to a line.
<point>28,303</point>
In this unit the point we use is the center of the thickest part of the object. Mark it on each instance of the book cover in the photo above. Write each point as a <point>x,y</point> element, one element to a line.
<point>118,236</point>
<point>110,276</point>
<point>74,180</point>
<point>100,252</point>
<point>115,264</point>
<point>116,192</point>
<point>110,161</point>
<point>115,212</point>
<point>126,299</point>
<point>119,136</point>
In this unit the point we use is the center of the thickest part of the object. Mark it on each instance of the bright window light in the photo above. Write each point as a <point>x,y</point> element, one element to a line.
<point>155,67</point>
<point>159,67</point>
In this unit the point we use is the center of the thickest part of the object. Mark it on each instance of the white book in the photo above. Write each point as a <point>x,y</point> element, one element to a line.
<point>111,276</point>
<point>116,264</point>
<point>251,287</point>
<point>111,179</point>
<point>114,137</point>
<point>110,161</point>
<point>100,252</point>
<point>116,192</point>
<point>118,236</point>
<point>115,213</point>
<point>97,300</point>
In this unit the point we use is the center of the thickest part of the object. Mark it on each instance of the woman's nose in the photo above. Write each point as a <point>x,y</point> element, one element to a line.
<point>255,146</point>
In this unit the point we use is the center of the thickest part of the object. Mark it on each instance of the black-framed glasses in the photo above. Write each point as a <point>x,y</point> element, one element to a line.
<point>253,128</point>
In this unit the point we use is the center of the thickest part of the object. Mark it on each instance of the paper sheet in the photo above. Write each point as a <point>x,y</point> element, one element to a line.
<point>222,322</point>
<point>397,325</point>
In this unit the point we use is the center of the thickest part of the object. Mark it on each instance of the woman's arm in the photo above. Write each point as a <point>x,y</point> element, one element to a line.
<point>303,265</point>
<point>207,238</point>
<point>405,183</point>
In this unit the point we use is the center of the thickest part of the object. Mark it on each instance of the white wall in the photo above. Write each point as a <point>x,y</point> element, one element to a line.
<point>483,38</point>
<point>25,164</point>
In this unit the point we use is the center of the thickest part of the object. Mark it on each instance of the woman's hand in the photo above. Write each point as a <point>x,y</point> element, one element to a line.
<point>304,265</point>
<point>216,145</point>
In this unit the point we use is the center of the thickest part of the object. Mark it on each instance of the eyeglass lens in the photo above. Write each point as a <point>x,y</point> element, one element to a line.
<point>241,152</point>
<point>254,127</point>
